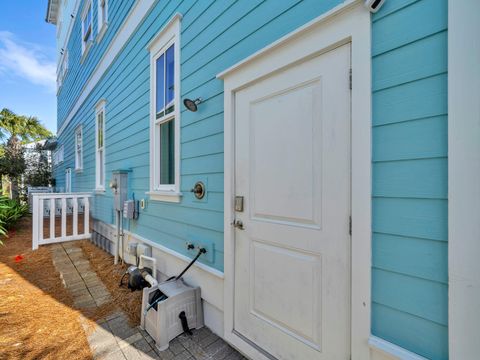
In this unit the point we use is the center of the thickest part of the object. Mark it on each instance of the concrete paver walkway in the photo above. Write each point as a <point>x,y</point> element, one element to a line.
<point>113,338</point>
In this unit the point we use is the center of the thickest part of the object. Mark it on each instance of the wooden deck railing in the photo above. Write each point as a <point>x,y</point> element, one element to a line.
<point>58,217</point>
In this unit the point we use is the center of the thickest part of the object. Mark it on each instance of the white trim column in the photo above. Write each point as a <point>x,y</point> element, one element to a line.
<point>464,178</point>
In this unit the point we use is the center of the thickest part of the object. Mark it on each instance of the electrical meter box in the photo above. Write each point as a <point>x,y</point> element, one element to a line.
<point>119,188</point>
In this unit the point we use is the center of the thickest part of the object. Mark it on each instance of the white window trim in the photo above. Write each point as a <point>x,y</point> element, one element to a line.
<point>68,180</point>
<point>347,22</point>
<point>100,108</point>
<point>463,175</point>
<point>86,45</point>
<point>58,155</point>
<point>168,35</point>
<point>62,70</point>
<point>102,26</point>
<point>79,160</point>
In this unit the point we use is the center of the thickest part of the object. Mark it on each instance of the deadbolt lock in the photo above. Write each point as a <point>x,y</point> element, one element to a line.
<point>239,203</point>
<point>238,224</point>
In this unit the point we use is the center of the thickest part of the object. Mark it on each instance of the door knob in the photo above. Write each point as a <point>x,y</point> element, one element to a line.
<point>238,224</point>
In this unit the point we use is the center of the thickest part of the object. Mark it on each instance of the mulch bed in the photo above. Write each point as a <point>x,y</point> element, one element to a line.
<point>37,320</point>
<point>37,317</point>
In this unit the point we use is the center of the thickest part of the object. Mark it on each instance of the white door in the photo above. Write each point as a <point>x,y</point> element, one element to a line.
<point>292,167</point>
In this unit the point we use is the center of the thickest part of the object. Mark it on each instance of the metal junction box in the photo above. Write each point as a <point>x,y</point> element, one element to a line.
<point>119,185</point>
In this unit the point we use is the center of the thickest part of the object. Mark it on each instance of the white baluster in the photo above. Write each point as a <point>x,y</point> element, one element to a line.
<point>41,209</point>
<point>86,215</point>
<point>52,219</point>
<point>35,223</point>
<point>75,216</point>
<point>64,218</point>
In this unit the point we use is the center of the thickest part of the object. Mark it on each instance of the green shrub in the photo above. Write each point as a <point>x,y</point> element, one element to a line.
<point>10,212</point>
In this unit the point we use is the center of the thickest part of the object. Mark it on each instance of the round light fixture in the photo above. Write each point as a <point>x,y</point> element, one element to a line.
<point>192,105</point>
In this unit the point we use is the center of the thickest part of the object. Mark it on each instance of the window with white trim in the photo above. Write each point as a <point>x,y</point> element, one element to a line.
<point>87,31</point>
<point>102,16</point>
<point>79,148</point>
<point>68,180</point>
<point>62,71</point>
<point>100,146</point>
<point>165,113</point>
<point>58,156</point>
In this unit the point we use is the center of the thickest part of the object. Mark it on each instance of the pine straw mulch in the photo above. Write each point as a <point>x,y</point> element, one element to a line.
<point>102,263</point>
<point>37,317</point>
<point>37,320</point>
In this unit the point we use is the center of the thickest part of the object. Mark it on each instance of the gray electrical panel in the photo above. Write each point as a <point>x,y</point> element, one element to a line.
<point>119,188</point>
<point>129,209</point>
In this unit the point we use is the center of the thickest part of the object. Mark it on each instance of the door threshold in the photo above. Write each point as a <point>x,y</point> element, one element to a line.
<point>255,346</point>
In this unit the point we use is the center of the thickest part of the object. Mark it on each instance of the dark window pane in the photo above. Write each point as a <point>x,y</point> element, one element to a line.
<point>167,152</point>
<point>170,71</point>
<point>160,85</point>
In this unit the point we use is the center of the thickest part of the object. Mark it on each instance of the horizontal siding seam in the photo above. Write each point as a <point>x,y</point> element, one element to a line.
<point>409,43</point>
<point>409,82</point>
<point>378,17</point>
<point>409,275</point>
<point>409,237</point>
<point>409,120</point>
<point>408,197</point>
<point>410,159</point>
<point>410,314</point>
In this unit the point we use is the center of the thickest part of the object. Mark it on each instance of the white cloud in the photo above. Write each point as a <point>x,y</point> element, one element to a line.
<point>26,60</point>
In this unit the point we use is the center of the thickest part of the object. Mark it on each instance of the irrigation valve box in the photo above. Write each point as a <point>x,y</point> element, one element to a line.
<point>162,321</point>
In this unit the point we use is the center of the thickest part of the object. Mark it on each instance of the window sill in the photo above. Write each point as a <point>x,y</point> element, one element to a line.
<point>79,170</point>
<point>167,196</point>
<point>85,51</point>
<point>102,32</point>
<point>99,191</point>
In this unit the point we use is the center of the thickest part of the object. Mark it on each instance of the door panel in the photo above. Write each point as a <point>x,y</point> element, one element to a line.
<point>292,165</point>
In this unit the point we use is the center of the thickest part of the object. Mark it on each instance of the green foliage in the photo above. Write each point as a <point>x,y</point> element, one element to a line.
<point>10,212</point>
<point>16,131</point>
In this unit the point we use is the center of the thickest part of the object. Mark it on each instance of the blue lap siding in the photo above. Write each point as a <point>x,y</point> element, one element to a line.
<point>409,273</point>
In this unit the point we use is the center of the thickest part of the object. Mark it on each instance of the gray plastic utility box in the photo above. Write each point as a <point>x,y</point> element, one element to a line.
<point>163,323</point>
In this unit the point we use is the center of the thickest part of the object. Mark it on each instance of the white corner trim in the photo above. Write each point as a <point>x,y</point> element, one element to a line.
<point>346,23</point>
<point>463,179</point>
<point>133,20</point>
<point>393,350</point>
<point>184,258</point>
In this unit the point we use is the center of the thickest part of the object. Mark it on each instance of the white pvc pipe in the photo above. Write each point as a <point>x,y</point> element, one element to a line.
<point>152,260</point>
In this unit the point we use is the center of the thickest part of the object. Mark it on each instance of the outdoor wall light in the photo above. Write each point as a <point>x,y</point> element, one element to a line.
<point>192,104</point>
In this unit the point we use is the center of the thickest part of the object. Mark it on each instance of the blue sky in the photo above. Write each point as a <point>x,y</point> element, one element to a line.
<point>28,60</point>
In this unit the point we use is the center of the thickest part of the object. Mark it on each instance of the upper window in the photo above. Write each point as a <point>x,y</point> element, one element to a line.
<point>100,146</point>
<point>165,114</point>
<point>58,156</point>
<point>78,148</point>
<point>62,71</point>
<point>87,32</point>
<point>102,17</point>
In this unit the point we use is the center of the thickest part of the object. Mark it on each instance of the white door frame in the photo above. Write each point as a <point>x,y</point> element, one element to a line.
<point>463,176</point>
<point>346,23</point>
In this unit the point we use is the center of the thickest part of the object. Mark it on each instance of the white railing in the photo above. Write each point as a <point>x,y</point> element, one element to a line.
<point>48,207</point>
